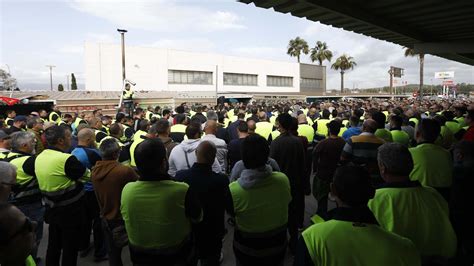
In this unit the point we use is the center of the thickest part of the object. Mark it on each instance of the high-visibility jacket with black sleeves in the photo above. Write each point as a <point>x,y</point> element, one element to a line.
<point>54,117</point>
<point>9,121</point>
<point>4,154</point>
<point>60,181</point>
<point>26,189</point>
<point>351,236</point>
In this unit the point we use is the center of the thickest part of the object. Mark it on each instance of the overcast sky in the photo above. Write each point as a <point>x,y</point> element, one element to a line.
<point>38,33</point>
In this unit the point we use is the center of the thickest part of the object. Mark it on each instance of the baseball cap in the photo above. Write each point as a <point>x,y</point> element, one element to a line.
<point>20,118</point>
<point>4,135</point>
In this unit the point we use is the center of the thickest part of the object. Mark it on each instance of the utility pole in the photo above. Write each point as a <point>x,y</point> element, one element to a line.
<point>122,33</point>
<point>67,79</point>
<point>51,75</point>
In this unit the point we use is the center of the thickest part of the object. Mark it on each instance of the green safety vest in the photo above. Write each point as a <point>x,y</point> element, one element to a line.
<point>124,138</point>
<point>51,117</point>
<point>343,243</point>
<point>384,134</point>
<point>154,213</point>
<point>128,95</point>
<point>27,186</point>
<point>132,150</point>
<point>58,190</point>
<point>149,115</point>
<point>322,126</point>
<point>4,154</point>
<point>445,138</point>
<point>114,138</point>
<point>273,119</point>
<point>263,207</point>
<point>77,122</point>
<point>264,129</point>
<point>387,117</point>
<point>30,261</point>
<point>414,120</point>
<point>275,134</point>
<point>178,128</point>
<point>343,129</point>
<point>138,135</point>
<point>400,136</point>
<point>461,121</point>
<point>306,131</point>
<point>432,165</point>
<point>454,126</point>
<point>419,214</point>
<point>8,119</point>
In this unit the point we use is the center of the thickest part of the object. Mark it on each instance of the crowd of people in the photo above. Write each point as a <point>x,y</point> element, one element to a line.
<point>391,179</point>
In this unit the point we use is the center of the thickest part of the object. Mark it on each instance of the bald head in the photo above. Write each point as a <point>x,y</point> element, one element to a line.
<point>369,125</point>
<point>302,119</point>
<point>86,137</point>
<point>211,127</point>
<point>95,123</point>
<point>206,153</point>
<point>252,126</point>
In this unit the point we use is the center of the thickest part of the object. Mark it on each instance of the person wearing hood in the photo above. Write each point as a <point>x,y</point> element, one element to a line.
<point>109,177</point>
<point>183,156</point>
<point>163,129</point>
<point>259,203</point>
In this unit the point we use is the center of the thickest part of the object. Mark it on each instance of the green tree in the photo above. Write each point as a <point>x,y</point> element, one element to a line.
<point>421,58</point>
<point>73,82</point>
<point>343,63</point>
<point>296,47</point>
<point>60,87</point>
<point>320,53</point>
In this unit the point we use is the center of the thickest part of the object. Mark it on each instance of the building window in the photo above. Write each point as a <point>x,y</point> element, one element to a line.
<point>189,77</point>
<point>307,83</point>
<point>240,79</point>
<point>279,81</point>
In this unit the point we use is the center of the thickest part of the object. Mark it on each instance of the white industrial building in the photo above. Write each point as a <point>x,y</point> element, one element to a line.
<point>155,69</point>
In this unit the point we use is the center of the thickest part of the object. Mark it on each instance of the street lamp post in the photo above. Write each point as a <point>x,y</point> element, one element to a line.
<point>122,33</point>
<point>51,75</point>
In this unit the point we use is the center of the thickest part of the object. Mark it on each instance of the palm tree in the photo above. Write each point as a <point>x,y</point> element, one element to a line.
<point>320,53</point>
<point>296,47</point>
<point>421,58</point>
<point>343,63</point>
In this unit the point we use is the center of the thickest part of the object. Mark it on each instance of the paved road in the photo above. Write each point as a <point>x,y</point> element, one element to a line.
<point>227,247</point>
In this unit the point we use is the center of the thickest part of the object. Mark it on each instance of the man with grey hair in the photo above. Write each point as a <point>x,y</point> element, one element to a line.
<point>109,177</point>
<point>7,180</point>
<point>408,209</point>
<point>4,144</point>
<point>35,126</point>
<point>26,194</point>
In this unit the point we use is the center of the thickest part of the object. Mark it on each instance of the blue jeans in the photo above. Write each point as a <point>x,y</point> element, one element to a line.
<point>34,211</point>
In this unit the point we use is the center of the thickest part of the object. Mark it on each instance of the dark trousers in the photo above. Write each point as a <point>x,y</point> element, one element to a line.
<point>93,223</point>
<point>295,218</point>
<point>185,256</point>
<point>114,251</point>
<point>209,248</point>
<point>63,238</point>
<point>35,211</point>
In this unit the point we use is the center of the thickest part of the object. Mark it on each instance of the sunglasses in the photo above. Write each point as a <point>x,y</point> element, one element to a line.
<point>26,227</point>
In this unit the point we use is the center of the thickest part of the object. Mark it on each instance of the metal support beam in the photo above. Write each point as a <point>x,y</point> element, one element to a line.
<point>458,47</point>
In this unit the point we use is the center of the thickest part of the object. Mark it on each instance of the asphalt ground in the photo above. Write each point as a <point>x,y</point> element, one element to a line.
<point>229,259</point>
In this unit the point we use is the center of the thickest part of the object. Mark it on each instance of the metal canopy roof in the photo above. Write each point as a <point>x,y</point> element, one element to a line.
<point>439,27</point>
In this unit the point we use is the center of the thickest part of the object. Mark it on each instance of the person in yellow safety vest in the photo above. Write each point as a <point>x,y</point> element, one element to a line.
<point>152,238</point>
<point>263,127</point>
<point>96,125</point>
<point>149,113</point>
<point>127,127</point>
<point>326,242</point>
<point>321,123</point>
<point>127,96</point>
<point>459,113</point>
<point>19,124</point>
<point>11,114</point>
<point>55,115</point>
<point>18,236</point>
<point>381,132</point>
<point>178,130</point>
<point>399,202</point>
<point>76,123</point>
<point>43,115</point>
<point>304,129</point>
<point>60,176</point>
<point>151,134</point>
<point>259,202</point>
<point>451,123</point>
<point>312,116</point>
<point>446,137</point>
<point>398,135</point>
<point>116,133</point>
<point>26,194</point>
<point>143,127</point>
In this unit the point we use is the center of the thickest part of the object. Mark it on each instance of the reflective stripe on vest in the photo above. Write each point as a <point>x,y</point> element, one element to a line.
<point>180,128</point>
<point>132,151</point>
<point>27,185</point>
<point>51,117</point>
<point>57,189</point>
